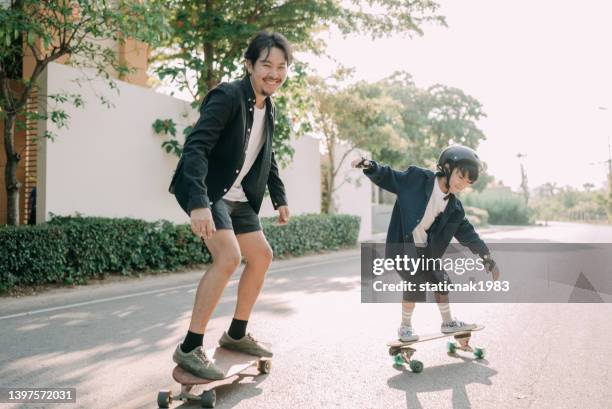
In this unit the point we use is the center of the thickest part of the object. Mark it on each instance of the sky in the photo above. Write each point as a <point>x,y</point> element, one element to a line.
<point>540,68</point>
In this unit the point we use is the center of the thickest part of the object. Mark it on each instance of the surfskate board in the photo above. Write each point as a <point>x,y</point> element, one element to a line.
<point>232,363</point>
<point>402,352</point>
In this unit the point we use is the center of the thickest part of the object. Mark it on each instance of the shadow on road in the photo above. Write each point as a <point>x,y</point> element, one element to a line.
<point>453,377</point>
<point>73,347</point>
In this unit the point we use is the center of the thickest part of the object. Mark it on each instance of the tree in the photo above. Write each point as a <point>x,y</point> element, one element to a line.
<point>49,30</point>
<point>570,197</point>
<point>548,189</point>
<point>399,123</point>
<point>524,182</point>
<point>210,36</point>
<point>483,180</point>
<point>432,119</point>
<point>359,116</point>
<point>293,98</point>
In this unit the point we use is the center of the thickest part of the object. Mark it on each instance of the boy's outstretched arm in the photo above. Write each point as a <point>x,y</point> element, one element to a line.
<point>381,175</point>
<point>467,236</point>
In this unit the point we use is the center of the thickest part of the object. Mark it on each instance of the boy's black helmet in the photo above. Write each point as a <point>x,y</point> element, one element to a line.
<point>459,154</point>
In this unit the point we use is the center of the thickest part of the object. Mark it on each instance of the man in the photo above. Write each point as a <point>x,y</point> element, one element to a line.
<point>220,180</point>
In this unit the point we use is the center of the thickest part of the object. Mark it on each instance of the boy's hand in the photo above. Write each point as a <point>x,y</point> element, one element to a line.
<point>491,267</point>
<point>361,163</point>
<point>495,273</point>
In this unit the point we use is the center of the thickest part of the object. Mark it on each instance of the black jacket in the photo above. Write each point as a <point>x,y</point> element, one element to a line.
<point>413,188</point>
<point>214,151</point>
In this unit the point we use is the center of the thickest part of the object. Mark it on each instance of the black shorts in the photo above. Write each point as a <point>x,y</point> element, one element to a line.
<point>237,216</point>
<point>424,276</point>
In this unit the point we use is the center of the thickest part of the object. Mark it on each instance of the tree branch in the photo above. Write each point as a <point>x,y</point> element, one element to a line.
<point>346,179</point>
<point>78,27</point>
<point>342,160</point>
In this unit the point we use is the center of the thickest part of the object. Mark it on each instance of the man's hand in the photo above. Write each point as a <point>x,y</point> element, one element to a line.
<point>283,215</point>
<point>202,223</point>
<point>360,163</point>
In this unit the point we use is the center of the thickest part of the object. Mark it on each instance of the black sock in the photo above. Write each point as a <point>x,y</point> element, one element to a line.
<point>192,341</point>
<point>237,329</point>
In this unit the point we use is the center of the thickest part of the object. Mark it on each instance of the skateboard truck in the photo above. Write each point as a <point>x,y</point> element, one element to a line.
<point>207,398</point>
<point>402,355</point>
<point>463,339</point>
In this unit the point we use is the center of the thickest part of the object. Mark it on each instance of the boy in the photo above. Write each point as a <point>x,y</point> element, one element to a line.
<point>428,215</point>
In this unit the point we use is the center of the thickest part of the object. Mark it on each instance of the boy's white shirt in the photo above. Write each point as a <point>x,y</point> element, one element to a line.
<point>435,206</point>
<point>256,141</point>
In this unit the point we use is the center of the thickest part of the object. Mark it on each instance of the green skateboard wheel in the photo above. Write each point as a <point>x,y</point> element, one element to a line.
<point>398,360</point>
<point>479,353</point>
<point>416,366</point>
<point>451,347</point>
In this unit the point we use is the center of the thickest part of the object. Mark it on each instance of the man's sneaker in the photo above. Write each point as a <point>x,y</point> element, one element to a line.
<point>197,363</point>
<point>456,326</point>
<point>405,334</point>
<point>246,344</point>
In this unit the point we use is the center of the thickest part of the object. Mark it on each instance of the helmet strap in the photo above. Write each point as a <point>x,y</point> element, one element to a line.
<point>448,171</point>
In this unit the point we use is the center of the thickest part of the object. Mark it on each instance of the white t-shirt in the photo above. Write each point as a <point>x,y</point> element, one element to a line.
<point>256,141</point>
<point>435,206</point>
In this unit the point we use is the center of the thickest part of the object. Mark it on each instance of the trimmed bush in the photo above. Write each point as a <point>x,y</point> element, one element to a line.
<point>311,233</point>
<point>478,217</point>
<point>72,250</point>
<point>32,255</point>
<point>504,207</point>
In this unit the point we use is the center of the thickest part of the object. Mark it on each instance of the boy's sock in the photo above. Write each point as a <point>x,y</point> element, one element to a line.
<point>445,312</point>
<point>237,329</point>
<point>407,310</point>
<point>192,341</point>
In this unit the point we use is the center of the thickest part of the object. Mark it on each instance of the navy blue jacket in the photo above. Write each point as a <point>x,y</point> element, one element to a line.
<point>413,188</point>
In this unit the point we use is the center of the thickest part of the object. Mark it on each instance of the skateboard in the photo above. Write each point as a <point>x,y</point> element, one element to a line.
<point>232,363</point>
<point>402,351</point>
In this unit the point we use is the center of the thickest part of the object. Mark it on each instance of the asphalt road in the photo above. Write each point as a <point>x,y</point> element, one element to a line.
<point>114,342</point>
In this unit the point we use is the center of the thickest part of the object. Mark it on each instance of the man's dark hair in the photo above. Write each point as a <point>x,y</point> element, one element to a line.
<point>265,40</point>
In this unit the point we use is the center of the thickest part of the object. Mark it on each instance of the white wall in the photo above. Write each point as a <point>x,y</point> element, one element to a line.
<point>109,161</point>
<point>302,179</point>
<point>354,196</point>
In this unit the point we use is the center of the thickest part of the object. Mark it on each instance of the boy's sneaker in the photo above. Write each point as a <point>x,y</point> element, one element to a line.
<point>405,334</point>
<point>197,363</point>
<point>456,326</point>
<point>246,344</point>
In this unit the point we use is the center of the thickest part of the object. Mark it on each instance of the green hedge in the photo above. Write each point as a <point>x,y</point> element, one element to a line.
<point>478,217</point>
<point>504,207</point>
<point>72,250</point>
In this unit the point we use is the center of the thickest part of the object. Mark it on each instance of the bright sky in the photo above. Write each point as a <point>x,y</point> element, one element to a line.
<point>541,69</point>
